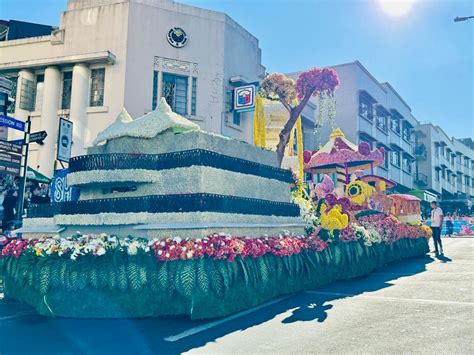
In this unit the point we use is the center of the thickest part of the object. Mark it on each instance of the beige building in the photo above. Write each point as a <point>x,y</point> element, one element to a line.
<point>110,54</point>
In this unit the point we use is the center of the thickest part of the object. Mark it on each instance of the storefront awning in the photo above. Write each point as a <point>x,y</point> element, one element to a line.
<point>36,176</point>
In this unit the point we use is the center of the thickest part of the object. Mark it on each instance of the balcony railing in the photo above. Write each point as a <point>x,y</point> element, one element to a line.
<point>421,179</point>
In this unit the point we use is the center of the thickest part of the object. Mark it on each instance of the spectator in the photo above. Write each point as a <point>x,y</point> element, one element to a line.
<point>436,225</point>
<point>9,208</point>
<point>449,226</point>
<point>37,196</point>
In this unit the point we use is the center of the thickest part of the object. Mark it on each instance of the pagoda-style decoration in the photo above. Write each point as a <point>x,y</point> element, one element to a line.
<point>340,155</point>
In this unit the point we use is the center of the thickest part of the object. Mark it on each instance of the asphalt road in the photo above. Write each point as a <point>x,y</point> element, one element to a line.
<point>420,305</point>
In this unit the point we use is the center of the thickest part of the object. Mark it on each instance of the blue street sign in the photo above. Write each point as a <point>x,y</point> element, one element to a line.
<point>12,123</point>
<point>16,141</point>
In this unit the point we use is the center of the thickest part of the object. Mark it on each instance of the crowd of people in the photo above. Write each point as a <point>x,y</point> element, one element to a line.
<point>35,193</point>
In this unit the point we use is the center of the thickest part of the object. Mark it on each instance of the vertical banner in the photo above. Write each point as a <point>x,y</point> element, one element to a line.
<point>64,140</point>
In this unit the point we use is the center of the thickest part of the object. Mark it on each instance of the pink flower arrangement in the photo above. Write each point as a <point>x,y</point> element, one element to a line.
<point>348,235</point>
<point>391,229</point>
<point>15,247</point>
<point>228,248</point>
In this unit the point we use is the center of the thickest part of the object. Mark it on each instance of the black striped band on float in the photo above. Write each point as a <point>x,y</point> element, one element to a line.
<point>187,158</point>
<point>341,175</point>
<point>182,203</point>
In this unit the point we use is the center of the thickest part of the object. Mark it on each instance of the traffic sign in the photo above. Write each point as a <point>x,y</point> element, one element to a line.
<point>12,123</point>
<point>17,141</point>
<point>9,158</point>
<point>10,147</point>
<point>38,137</point>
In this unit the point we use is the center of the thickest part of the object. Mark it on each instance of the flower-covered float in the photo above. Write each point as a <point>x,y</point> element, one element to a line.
<point>214,230</point>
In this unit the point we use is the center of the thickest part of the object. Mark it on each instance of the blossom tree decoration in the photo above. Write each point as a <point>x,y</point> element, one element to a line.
<point>295,95</point>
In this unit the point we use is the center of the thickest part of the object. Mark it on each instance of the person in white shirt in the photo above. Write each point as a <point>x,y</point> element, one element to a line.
<point>436,225</point>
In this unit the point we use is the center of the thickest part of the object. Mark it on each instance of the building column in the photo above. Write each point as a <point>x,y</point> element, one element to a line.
<point>49,120</point>
<point>79,104</point>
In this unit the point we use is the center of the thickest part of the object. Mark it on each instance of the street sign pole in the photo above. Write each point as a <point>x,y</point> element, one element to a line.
<point>24,167</point>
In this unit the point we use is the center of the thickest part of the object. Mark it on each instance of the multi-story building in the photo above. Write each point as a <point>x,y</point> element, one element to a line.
<point>110,54</point>
<point>367,110</point>
<point>446,168</point>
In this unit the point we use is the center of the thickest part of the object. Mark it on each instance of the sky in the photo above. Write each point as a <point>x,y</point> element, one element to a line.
<point>424,55</point>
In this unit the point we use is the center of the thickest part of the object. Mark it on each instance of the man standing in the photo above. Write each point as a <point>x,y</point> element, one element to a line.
<point>436,225</point>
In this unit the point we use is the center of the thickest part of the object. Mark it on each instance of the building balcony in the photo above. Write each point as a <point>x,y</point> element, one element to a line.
<point>421,179</point>
<point>419,152</point>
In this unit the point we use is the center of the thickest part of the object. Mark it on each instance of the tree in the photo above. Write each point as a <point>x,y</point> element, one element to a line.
<point>294,96</point>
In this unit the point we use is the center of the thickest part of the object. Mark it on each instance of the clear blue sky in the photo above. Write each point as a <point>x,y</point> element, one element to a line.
<point>426,57</point>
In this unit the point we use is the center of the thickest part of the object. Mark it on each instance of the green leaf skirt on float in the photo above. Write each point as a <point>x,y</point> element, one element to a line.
<point>118,285</point>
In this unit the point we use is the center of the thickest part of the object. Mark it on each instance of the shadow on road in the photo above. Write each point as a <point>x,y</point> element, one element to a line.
<point>318,305</point>
<point>146,336</point>
<point>443,258</point>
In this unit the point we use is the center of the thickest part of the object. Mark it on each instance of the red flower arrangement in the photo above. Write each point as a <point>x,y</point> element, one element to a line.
<point>15,247</point>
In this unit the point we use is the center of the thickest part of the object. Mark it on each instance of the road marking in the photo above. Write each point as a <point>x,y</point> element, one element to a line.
<point>17,316</point>
<point>210,325</point>
<point>384,298</point>
<point>421,273</point>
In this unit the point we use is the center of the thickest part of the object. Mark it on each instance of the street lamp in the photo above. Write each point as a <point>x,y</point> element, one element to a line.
<point>462,18</point>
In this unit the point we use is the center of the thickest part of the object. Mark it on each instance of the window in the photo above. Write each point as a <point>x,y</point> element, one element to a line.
<point>437,175</point>
<point>406,164</point>
<point>236,118</point>
<point>448,176</point>
<point>67,86</point>
<point>436,150</point>
<point>366,108</point>
<point>381,119</point>
<point>154,101</point>
<point>395,158</point>
<point>193,96</point>
<point>386,157</point>
<point>406,133</point>
<point>175,92</point>
<point>466,180</point>
<point>466,161</point>
<point>12,96</point>
<point>27,95</point>
<point>395,125</point>
<point>459,178</point>
<point>39,92</point>
<point>97,87</point>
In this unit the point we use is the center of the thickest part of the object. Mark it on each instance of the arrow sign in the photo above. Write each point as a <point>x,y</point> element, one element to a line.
<point>38,137</point>
<point>10,147</point>
<point>12,123</point>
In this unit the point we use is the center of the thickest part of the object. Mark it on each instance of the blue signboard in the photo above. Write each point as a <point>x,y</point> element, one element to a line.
<point>60,190</point>
<point>11,122</point>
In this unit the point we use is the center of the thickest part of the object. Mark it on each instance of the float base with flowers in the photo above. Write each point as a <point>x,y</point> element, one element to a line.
<point>201,278</point>
<point>173,187</point>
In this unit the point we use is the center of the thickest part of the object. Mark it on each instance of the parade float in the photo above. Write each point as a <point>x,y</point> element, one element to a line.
<point>172,220</point>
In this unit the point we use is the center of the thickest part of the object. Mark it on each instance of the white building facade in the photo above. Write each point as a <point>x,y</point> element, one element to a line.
<point>447,168</point>
<point>110,54</point>
<point>367,110</point>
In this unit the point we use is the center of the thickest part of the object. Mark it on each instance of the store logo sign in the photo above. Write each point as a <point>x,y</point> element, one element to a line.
<point>244,97</point>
